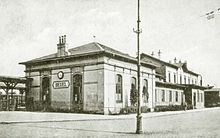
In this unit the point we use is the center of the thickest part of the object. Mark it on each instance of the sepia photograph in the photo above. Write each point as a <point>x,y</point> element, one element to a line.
<point>109,69</point>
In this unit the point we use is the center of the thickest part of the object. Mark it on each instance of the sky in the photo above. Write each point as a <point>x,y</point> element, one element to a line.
<point>178,28</point>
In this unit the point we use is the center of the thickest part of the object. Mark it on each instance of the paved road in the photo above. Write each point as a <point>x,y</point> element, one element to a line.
<point>190,124</point>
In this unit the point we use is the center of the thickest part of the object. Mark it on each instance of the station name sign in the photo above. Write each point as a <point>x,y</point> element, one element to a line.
<point>61,84</point>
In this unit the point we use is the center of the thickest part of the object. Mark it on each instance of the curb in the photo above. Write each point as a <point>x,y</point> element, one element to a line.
<point>131,117</point>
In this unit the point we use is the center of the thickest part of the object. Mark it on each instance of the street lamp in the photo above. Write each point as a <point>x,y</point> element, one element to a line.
<point>138,31</point>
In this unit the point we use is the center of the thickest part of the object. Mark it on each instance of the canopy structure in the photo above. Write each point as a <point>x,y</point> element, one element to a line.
<point>8,83</point>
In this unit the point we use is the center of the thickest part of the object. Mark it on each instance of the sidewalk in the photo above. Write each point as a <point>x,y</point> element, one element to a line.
<point>29,117</point>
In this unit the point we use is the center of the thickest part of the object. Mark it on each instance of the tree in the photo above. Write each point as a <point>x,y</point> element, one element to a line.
<point>133,95</point>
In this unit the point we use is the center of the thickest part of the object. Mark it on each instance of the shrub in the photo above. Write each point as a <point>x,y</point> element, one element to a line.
<point>189,107</point>
<point>145,109</point>
<point>124,111</point>
<point>133,95</point>
<point>168,108</point>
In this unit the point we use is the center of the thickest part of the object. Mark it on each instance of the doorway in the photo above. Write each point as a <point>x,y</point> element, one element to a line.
<point>194,100</point>
<point>45,96</point>
<point>77,102</point>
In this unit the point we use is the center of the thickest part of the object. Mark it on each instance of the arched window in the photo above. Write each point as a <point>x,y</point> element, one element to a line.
<point>133,92</point>
<point>145,91</point>
<point>45,93</point>
<point>118,88</point>
<point>77,89</point>
<point>133,81</point>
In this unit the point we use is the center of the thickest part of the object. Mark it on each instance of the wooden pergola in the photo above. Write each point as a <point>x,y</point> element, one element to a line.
<point>12,83</point>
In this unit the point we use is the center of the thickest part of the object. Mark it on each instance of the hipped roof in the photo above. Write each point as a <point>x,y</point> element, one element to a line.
<point>93,48</point>
<point>175,65</point>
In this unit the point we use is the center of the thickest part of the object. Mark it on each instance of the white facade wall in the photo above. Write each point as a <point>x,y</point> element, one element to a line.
<point>127,71</point>
<point>190,79</point>
<point>167,101</point>
<point>93,90</point>
<point>200,100</point>
<point>61,97</point>
<point>171,71</point>
<point>181,76</point>
<point>35,88</point>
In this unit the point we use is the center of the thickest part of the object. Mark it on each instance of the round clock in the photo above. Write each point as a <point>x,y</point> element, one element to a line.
<point>60,74</point>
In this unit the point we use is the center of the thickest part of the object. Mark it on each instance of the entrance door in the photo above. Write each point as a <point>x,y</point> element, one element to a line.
<point>77,101</point>
<point>194,100</point>
<point>45,97</point>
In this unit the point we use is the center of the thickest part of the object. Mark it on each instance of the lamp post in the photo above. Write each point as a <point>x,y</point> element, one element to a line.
<point>138,31</point>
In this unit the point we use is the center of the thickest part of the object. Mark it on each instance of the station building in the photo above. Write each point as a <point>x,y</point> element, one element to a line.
<point>96,78</point>
<point>88,78</point>
<point>176,84</point>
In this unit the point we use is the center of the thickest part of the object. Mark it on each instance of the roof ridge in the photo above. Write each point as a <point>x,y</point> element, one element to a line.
<point>144,54</point>
<point>97,44</point>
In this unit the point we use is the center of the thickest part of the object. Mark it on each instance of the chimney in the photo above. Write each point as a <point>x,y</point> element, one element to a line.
<point>152,54</point>
<point>159,54</point>
<point>185,63</point>
<point>61,46</point>
<point>175,60</point>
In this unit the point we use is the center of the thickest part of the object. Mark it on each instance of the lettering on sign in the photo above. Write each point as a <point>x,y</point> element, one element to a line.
<point>61,84</point>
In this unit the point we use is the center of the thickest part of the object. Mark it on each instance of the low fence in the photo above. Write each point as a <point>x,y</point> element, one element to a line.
<point>11,104</point>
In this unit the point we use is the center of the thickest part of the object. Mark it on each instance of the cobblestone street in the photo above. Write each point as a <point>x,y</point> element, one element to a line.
<point>200,123</point>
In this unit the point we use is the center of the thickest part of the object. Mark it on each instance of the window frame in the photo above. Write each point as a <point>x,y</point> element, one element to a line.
<point>170,96</point>
<point>180,79</point>
<point>119,88</point>
<point>169,77</point>
<point>145,84</point>
<point>135,80</point>
<point>163,96</point>
<point>176,96</point>
<point>174,78</point>
<point>156,95</point>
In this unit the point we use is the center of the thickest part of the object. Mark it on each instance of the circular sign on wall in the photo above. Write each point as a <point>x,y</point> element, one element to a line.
<point>60,74</point>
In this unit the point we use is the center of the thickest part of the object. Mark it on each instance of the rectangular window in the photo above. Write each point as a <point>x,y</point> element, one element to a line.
<point>174,78</point>
<point>163,96</point>
<point>118,88</point>
<point>176,96</point>
<point>155,95</point>
<point>180,79</point>
<point>170,96</point>
<point>185,80</point>
<point>118,93</point>
<point>169,77</point>
<point>198,96</point>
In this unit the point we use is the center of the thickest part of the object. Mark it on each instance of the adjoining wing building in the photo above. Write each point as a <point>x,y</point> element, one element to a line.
<point>98,79</point>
